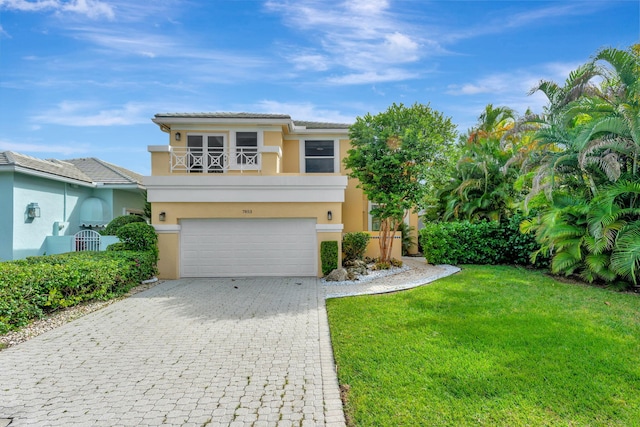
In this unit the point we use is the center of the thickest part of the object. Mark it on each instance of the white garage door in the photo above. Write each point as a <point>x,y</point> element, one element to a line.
<point>248,247</point>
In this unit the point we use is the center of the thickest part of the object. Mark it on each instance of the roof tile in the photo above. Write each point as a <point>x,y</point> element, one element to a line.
<point>90,170</point>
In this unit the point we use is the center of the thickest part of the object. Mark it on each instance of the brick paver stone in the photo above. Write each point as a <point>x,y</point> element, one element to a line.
<point>252,351</point>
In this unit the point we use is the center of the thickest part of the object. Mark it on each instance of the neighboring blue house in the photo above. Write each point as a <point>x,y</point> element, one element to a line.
<point>44,203</point>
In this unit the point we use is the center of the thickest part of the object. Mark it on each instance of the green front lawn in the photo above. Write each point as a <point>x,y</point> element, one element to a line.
<point>490,346</point>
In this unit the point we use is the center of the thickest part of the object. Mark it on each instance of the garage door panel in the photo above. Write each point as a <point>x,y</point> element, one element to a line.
<point>239,247</point>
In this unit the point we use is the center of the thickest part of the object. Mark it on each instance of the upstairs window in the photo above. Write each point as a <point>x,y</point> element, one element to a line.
<point>206,153</point>
<point>246,148</point>
<point>319,156</point>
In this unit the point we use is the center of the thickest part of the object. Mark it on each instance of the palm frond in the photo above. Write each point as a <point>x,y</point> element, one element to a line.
<point>625,258</point>
<point>565,262</point>
<point>625,63</point>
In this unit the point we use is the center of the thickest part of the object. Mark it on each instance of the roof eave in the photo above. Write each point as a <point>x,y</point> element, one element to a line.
<point>112,186</point>
<point>166,122</point>
<point>300,131</point>
<point>48,175</point>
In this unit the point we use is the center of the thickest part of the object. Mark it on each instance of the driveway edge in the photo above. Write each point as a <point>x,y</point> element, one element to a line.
<point>333,410</point>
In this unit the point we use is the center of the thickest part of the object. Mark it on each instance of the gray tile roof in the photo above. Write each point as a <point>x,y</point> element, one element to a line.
<point>105,173</point>
<point>228,115</point>
<point>321,125</point>
<point>224,115</point>
<point>89,170</point>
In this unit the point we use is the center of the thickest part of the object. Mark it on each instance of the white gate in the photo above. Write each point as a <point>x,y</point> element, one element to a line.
<point>87,240</point>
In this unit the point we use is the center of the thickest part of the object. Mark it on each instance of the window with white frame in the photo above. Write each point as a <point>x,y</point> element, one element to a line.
<point>206,153</point>
<point>319,156</point>
<point>218,152</point>
<point>374,221</point>
<point>246,148</point>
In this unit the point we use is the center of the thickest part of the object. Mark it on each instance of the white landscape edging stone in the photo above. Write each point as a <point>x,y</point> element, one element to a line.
<point>386,283</point>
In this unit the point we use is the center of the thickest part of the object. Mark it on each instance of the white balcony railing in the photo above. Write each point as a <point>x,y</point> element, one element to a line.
<point>214,160</point>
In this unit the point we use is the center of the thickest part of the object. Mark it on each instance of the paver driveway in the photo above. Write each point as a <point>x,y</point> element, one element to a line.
<point>186,352</point>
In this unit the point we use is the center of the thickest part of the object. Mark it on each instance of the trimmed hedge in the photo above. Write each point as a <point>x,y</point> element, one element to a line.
<point>329,256</point>
<point>112,228</point>
<point>33,287</point>
<point>484,242</point>
<point>136,236</point>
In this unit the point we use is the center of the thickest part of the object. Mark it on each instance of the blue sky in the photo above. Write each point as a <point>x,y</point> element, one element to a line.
<point>83,78</point>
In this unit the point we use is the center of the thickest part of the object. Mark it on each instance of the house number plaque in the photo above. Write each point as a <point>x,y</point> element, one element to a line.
<point>247,211</point>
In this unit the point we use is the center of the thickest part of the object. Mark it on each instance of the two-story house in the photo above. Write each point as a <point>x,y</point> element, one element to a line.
<point>239,194</point>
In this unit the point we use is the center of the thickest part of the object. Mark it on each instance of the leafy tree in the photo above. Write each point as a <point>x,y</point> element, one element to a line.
<point>391,156</point>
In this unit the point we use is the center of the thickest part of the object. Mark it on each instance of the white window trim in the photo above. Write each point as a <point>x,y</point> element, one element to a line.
<point>336,153</point>
<point>205,141</point>
<point>232,148</point>
<point>370,222</point>
<point>132,211</point>
<point>229,146</point>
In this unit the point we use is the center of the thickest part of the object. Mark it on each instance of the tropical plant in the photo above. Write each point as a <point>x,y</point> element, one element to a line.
<point>408,239</point>
<point>481,187</point>
<point>586,163</point>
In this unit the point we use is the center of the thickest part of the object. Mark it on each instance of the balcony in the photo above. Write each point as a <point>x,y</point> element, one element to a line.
<point>214,160</point>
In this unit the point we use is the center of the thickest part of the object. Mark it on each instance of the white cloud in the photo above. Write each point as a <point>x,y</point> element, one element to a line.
<point>356,35</point>
<point>312,62</point>
<point>509,89</point>
<point>80,114</point>
<point>495,83</point>
<point>368,77</point>
<point>516,81</point>
<point>367,7</point>
<point>505,22</point>
<point>302,111</point>
<point>93,9</point>
<point>29,147</point>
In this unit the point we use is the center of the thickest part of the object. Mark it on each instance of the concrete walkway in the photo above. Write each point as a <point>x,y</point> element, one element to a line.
<point>419,273</point>
<point>191,352</point>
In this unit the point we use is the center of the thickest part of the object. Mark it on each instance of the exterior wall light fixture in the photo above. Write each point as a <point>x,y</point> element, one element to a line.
<point>33,210</point>
<point>162,216</point>
<point>178,136</point>
<point>329,215</point>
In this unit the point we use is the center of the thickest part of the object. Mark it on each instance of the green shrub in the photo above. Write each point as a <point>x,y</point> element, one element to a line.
<point>112,228</point>
<point>396,262</point>
<point>354,245</point>
<point>382,265</point>
<point>120,246</point>
<point>329,256</point>
<point>484,242</point>
<point>30,288</point>
<point>138,236</point>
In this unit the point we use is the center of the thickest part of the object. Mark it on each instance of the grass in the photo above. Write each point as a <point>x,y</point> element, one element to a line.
<point>490,346</point>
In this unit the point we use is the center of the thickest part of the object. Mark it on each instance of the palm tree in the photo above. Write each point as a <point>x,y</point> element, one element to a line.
<point>589,147</point>
<point>479,189</point>
<point>611,139</point>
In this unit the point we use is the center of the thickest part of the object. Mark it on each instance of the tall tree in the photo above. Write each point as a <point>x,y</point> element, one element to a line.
<point>391,158</point>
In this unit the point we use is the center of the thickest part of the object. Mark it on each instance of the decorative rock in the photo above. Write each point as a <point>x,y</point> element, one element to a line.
<point>337,275</point>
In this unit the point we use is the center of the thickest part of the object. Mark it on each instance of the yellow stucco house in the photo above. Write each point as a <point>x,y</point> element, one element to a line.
<point>240,194</point>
